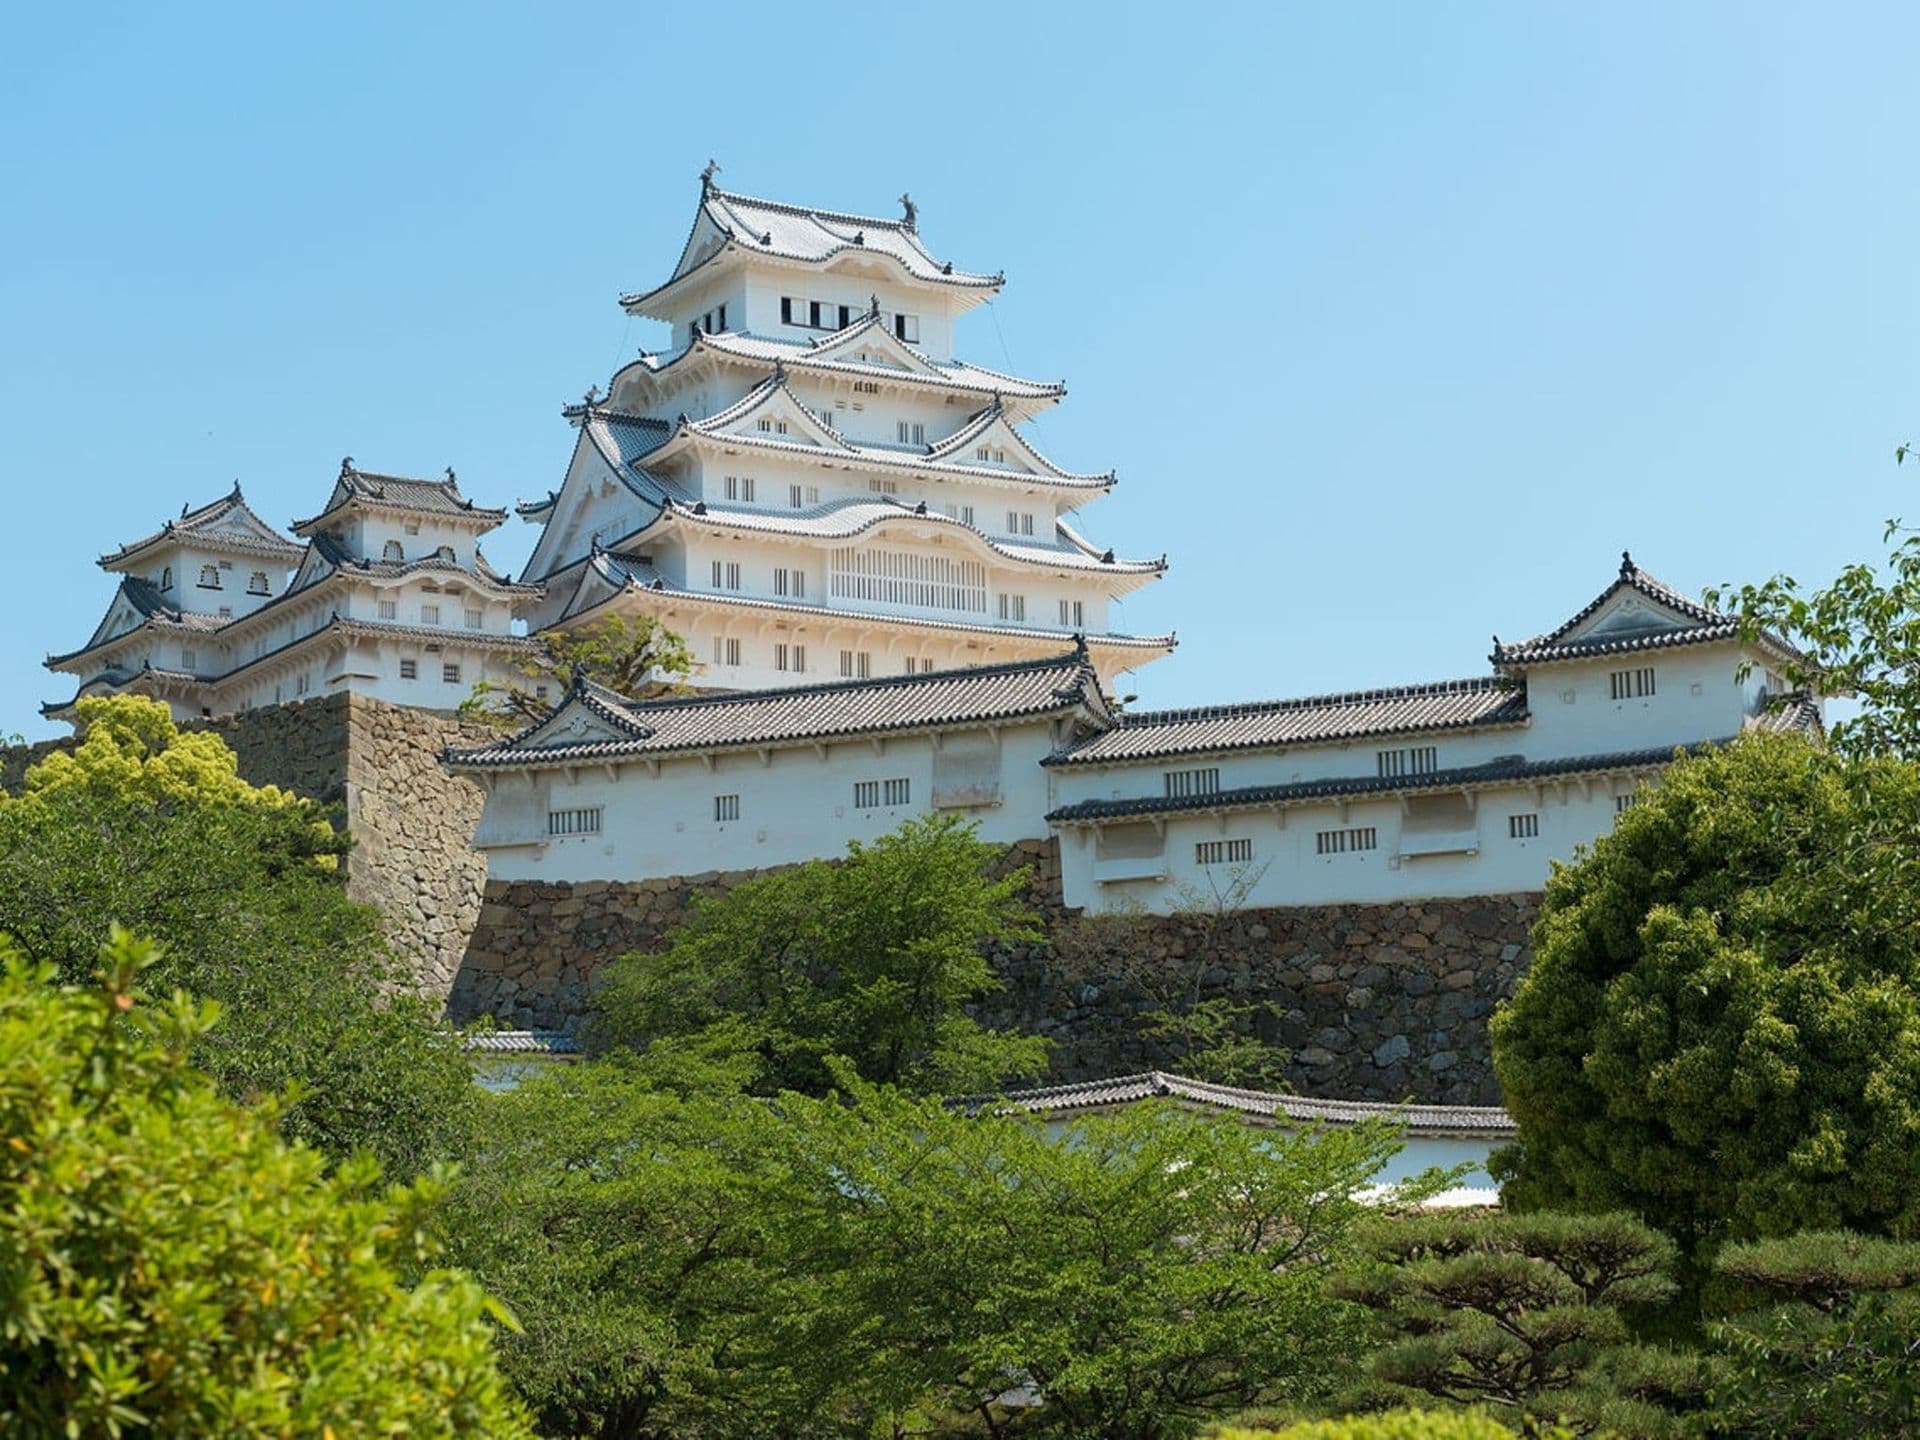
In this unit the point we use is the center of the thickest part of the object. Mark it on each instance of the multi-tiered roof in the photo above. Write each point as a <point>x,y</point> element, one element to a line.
<point>809,421</point>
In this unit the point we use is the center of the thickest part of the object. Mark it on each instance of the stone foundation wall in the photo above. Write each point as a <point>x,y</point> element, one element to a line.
<point>1372,1001</point>
<point>412,823</point>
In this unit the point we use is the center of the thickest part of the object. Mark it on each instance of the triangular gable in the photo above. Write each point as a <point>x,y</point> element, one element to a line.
<point>231,515</point>
<point>315,566</point>
<point>706,238</point>
<point>868,341</point>
<point>123,617</point>
<point>1006,448</point>
<point>1625,613</point>
<point>772,412</point>
<point>581,719</point>
<point>594,494</point>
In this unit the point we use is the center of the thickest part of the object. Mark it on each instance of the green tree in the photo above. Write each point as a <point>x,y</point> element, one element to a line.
<point>1836,1348</point>
<point>153,828</point>
<point>170,1267</point>
<point>634,656</point>
<point>1128,1277</point>
<point>872,958</point>
<point>1521,1314</point>
<point>1720,1031</point>
<point>1397,1425</point>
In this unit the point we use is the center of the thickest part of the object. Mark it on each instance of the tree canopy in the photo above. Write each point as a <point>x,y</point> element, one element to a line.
<point>1720,1030</point>
<point>871,958</point>
<point>634,656</point>
<point>153,827</point>
<point>171,1267</point>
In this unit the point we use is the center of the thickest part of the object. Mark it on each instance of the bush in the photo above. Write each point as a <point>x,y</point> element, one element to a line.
<point>170,1267</point>
<point>1396,1425</point>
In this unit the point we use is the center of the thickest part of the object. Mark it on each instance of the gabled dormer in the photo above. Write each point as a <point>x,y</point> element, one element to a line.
<point>1636,612</point>
<point>772,413</point>
<point>989,440</point>
<point>871,341</point>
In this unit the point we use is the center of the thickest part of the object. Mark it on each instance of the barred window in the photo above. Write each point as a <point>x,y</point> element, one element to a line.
<point>257,584</point>
<point>725,807</point>
<point>897,792</point>
<point>389,609</point>
<point>475,618</point>
<point>1631,684</point>
<point>866,794</point>
<point>1182,784</point>
<point>1223,852</point>
<point>726,650</point>
<point>856,664</point>
<point>1624,803</point>
<point>409,669</point>
<point>790,657</point>
<point>584,821</point>
<point>429,614</point>
<point>1342,842</point>
<point>450,672</point>
<point>1419,760</point>
<point>872,794</point>
<point>1523,827</point>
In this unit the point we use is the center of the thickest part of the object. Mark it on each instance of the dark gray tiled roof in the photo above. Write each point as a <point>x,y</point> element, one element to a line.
<point>753,718</point>
<point>1313,719</point>
<point>399,492</point>
<point>200,528</point>
<point>1796,714</point>
<point>1699,626</point>
<point>520,1042</point>
<point>342,559</point>
<point>1497,772</point>
<point>1256,1104</point>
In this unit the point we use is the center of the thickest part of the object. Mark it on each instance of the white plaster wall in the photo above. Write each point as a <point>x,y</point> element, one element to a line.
<point>1287,869</point>
<point>1696,697</point>
<point>765,287</point>
<point>793,806</point>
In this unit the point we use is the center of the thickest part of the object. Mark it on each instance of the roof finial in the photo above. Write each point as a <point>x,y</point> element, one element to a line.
<point>913,210</point>
<point>859,237</point>
<point>1080,644</point>
<point>183,509</point>
<point>706,176</point>
<point>346,466</point>
<point>779,372</point>
<point>1626,564</point>
<point>578,684</point>
<point>452,479</point>
<point>873,306</point>
<point>592,396</point>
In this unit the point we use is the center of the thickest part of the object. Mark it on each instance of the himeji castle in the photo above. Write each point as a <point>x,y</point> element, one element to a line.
<point>1455,788</point>
<point>390,597</point>
<point>808,484</point>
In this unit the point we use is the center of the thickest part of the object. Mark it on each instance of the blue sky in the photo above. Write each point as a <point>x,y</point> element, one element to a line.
<point>1398,321</point>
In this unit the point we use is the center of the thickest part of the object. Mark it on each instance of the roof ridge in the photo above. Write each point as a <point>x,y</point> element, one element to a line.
<point>1233,709</point>
<point>788,207</point>
<point>1075,658</point>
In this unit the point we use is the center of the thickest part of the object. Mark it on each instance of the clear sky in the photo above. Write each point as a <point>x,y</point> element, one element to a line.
<point>1398,321</point>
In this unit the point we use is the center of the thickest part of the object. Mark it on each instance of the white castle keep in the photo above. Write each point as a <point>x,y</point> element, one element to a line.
<point>880,578</point>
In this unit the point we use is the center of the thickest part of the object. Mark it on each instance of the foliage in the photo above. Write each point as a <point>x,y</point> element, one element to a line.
<point>635,1232</point>
<point>171,1267</point>
<point>1837,1351</point>
<point>1859,636</point>
<point>870,958</point>
<point>1398,1425</point>
<point>1520,1313</point>
<point>1137,1274</point>
<point>697,1263</point>
<point>1720,1031</point>
<point>1207,1037</point>
<point>153,828</point>
<point>634,656</point>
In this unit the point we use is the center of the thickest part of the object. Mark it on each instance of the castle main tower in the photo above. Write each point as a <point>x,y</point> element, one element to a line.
<point>808,485</point>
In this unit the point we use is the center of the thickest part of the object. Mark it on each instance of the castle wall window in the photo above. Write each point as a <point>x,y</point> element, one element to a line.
<point>209,577</point>
<point>583,821</point>
<point>412,527</point>
<point>856,664</point>
<point>1343,842</point>
<point>1624,803</point>
<point>1223,852</point>
<point>740,487</point>
<point>409,669</point>
<point>865,387</point>
<point>923,666</point>
<point>1523,827</point>
<point>799,496</point>
<point>429,614</point>
<point>1631,684</point>
<point>907,328</point>
<point>726,650</point>
<point>1419,760</point>
<point>189,659</point>
<point>883,487</point>
<point>911,432</point>
<point>903,577</point>
<point>393,553</point>
<point>873,794</point>
<point>726,574</point>
<point>1073,613</point>
<point>725,808</point>
<point>445,552</point>
<point>450,672</point>
<point>475,618</point>
<point>388,609</point>
<point>257,583</point>
<point>962,513</point>
<point>166,577</point>
<point>1013,607</point>
<point>790,657</point>
<point>789,582</point>
<point>1183,784</point>
<point>1019,522</point>
<point>300,683</point>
